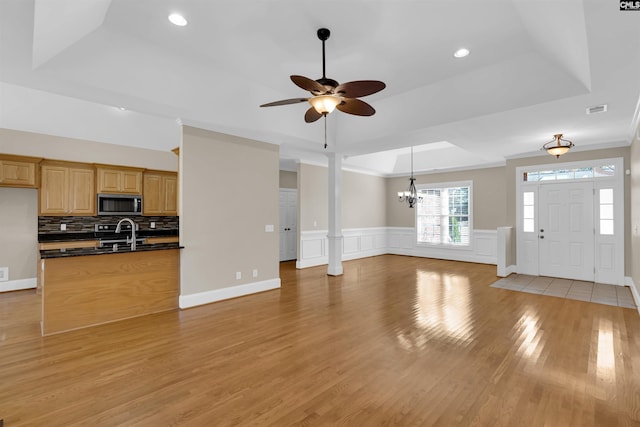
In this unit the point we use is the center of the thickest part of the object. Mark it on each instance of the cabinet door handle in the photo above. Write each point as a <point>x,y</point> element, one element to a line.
<point>542,237</point>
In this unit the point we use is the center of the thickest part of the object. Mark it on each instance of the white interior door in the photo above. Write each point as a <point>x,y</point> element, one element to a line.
<point>288,224</point>
<point>566,230</point>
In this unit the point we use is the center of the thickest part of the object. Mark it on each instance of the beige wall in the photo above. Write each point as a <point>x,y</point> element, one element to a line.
<point>363,199</point>
<point>489,197</point>
<point>60,148</point>
<point>634,160</point>
<point>19,232</point>
<point>288,179</point>
<point>575,156</point>
<point>313,197</point>
<point>229,188</point>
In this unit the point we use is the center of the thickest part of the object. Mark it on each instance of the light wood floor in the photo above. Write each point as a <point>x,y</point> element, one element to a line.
<point>395,341</point>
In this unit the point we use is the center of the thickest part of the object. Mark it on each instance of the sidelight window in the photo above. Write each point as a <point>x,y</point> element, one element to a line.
<point>606,211</point>
<point>528,211</point>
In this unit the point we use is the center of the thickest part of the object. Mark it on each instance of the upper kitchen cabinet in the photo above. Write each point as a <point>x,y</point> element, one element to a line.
<point>119,180</point>
<point>18,171</point>
<point>160,196</point>
<point>67,189</point>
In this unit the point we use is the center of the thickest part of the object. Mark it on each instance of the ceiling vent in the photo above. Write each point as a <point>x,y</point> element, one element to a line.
<point>597,109</point>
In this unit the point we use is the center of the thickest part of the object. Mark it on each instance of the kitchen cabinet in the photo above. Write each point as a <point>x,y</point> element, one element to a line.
<point>18,171</point>
<point>119,180</point>
<point>81,291</point>
<point>67,189</point>
<point>160,195</point>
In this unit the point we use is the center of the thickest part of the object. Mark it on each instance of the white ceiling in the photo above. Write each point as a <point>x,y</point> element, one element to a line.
<point>534,68</point>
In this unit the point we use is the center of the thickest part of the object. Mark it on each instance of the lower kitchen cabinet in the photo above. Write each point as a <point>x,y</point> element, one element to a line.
<point>81,291</point>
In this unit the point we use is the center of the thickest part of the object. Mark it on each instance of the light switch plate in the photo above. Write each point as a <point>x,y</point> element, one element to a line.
<point>268,228</point>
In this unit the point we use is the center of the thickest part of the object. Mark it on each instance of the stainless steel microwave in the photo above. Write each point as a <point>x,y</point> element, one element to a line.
<point>119,204</point>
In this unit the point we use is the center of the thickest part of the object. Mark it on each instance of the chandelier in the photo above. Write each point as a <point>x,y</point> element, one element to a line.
<point>411,195</point>
<point>558,146</point>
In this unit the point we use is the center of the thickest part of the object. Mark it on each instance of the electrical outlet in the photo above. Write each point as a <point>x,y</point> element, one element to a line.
<point>152,224</point>
<point>4,274</point>
<point>63,227</point>
<point>255,272</point>
<point>238,275</point>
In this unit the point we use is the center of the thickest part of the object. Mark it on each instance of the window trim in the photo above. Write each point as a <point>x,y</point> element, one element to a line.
<point>442,185</point>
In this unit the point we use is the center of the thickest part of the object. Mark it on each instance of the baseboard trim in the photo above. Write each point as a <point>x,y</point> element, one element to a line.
<point>635,292</point>
<point>18,285</point>
<point>201,298</point>
<point>506,271</point>
<point>453,256</point>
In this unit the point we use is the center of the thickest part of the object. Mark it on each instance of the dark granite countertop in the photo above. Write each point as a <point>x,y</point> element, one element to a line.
<point>75,236</point>
<point>62,253</point>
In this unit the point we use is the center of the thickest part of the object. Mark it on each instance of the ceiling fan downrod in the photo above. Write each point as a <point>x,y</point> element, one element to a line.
<point>323,35</point>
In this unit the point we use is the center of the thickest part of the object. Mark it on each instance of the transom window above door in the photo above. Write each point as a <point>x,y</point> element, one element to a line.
<point>588,172</point>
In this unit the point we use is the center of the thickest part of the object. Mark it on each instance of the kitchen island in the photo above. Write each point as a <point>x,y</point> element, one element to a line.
<point>89,286</point>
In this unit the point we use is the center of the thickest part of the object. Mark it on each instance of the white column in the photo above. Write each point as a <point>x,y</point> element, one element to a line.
<point>335,215</point>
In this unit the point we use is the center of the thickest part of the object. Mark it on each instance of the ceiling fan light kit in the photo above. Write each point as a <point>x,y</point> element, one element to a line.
<point>327,94</point>
<point>325,104</point>
<point>558,146</point>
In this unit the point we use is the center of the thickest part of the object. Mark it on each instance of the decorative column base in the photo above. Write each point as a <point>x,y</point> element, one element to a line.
<point>335,255</point>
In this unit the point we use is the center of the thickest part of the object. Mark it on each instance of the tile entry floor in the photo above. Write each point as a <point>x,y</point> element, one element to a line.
<point>565,288</point>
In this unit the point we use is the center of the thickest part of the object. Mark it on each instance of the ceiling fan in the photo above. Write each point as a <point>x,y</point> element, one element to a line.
<point>327,94</point>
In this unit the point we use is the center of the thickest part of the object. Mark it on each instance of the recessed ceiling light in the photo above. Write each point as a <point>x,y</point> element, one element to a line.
<point>461,53</point>
<point>177,19</point>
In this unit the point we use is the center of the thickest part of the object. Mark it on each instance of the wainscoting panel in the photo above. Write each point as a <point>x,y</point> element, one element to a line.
<point>366,242</point>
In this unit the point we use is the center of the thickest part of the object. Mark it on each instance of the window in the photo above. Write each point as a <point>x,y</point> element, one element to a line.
<point>602,171</point>
<point>528,212</point>
<point>606,211</point>
<point>443,215</point>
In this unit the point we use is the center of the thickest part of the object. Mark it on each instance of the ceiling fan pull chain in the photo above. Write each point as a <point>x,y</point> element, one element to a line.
<point>325,131</point>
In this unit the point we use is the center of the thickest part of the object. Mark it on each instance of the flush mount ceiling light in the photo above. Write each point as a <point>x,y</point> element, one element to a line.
<point>461,53</point>
<point>177,19</point>
<point>558,146</point>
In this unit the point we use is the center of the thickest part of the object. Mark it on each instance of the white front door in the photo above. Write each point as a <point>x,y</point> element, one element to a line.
<point>566,230</point>
<point>288,224</point>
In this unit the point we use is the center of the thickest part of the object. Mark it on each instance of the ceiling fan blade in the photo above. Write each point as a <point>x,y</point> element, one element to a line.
<point>355,106</point>
<point>285,102</point>
<point>308,84</point>
<point>311,115</point>
<point>359,88</point>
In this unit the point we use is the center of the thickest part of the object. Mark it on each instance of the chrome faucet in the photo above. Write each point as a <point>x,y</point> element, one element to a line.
<point>133,231</point>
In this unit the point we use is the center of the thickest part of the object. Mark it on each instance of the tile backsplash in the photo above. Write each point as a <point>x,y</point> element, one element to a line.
<point>79,224</point>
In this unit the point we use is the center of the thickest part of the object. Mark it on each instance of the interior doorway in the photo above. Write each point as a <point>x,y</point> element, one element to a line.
<point>288,224</point>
